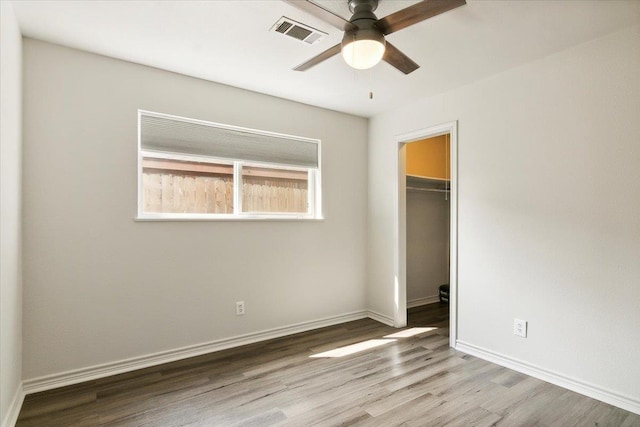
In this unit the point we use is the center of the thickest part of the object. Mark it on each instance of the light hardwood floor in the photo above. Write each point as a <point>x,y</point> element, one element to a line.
<point>416,381</point>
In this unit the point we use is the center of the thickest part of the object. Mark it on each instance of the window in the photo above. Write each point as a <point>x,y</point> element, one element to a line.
<point>191,169</point>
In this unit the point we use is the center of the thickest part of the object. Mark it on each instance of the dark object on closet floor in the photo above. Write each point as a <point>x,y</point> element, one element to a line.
<point>443,293</point>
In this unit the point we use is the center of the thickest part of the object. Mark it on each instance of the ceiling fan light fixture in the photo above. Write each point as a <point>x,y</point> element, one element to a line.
<point>363,44</point>
<point>363,49</point>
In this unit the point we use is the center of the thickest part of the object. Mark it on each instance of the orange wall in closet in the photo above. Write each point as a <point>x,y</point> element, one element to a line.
<point>429,157</point>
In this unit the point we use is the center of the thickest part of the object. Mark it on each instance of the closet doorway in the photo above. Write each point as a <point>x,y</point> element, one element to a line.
<point>426,220</point>
<point>427,217</point>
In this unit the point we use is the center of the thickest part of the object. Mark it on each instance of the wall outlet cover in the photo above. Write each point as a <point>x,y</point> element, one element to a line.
<point>240,308</point>
<point>520,327</point>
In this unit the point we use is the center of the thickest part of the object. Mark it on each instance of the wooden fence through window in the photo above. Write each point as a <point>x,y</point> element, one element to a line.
<point>169,193</point>
<point>173,193</point>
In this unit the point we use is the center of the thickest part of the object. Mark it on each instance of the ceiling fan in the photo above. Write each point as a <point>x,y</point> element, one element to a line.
<point>363,44</point>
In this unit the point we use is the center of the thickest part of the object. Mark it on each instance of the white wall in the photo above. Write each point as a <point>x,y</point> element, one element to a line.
<point>100,287</point>
<point>10,209</point>
<point>549,210</point>
<point>427,244</point>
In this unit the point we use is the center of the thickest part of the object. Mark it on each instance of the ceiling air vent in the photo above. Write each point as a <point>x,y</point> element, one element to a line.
<point>297,30</point>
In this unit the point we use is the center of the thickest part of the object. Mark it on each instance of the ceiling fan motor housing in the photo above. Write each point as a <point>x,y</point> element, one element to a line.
<point>364,19</point>
<point>356,6</point>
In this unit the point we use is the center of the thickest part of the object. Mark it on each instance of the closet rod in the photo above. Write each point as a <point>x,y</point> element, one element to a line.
<point>435,190</point>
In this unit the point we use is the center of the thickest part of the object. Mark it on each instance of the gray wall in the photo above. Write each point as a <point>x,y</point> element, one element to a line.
<point>100,287</point>
<point>549,202</point>
<point>10,204</point>
<point>427,244</point>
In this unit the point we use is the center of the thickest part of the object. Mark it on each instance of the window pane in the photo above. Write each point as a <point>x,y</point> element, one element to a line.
<point>274,190</point>
<point>173,186</point>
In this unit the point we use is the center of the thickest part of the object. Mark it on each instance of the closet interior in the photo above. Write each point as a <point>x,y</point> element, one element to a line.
<point>428,217</point>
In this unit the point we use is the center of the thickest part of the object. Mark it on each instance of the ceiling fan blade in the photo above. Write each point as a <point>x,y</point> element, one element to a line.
<point>416,13</point>
<point>319,58</point>
<point>320,12</point>
<point>402,62</point>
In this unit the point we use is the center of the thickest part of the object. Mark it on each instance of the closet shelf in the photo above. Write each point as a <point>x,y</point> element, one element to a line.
<point>422,183</point>
<point>426,178</point>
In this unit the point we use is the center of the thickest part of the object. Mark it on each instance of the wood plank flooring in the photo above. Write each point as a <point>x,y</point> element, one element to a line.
<point>415,381</point>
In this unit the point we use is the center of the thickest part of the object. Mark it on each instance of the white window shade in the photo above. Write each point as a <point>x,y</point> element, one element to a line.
<point>173,135</point>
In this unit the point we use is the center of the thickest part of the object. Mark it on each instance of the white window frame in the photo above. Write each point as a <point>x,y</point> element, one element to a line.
<point>314,183</point>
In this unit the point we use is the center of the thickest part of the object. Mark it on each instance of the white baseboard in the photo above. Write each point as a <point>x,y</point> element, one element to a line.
<point>380,317</point>
<point>14,408</point>
<point>627,403</point>
<point>423,301</point>
<point>76,376</point>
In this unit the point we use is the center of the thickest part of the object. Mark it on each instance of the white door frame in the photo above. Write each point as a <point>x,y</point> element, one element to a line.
<point>400,225</point>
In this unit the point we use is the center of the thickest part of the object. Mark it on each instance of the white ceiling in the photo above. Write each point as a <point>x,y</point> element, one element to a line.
<point>230,42</point>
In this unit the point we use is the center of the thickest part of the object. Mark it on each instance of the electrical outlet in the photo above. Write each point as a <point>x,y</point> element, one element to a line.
<point>239,308</point>
<point>520,327</point>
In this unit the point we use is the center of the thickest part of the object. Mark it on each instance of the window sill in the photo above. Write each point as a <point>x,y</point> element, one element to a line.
<point>225,218</point>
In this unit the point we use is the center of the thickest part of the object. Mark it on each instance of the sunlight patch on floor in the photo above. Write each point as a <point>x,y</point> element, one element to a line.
<point>353,348</point>
<point>410,332</point>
